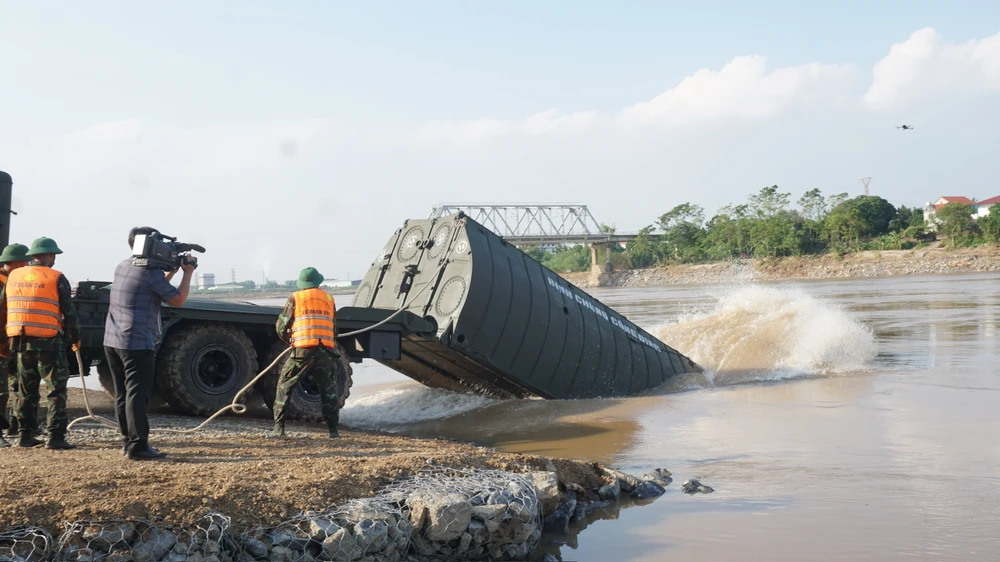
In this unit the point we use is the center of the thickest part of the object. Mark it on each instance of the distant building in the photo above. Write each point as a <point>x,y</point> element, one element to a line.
<point>984,206</point>
<point>206,281</point>
<point>931,209</point>
<point>224,287</point>
<point>339,283</point>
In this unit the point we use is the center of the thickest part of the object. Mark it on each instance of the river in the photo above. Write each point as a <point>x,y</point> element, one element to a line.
<point>837,420</point>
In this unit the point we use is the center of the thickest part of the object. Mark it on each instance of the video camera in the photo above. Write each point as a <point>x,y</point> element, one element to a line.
<point>159,251</point>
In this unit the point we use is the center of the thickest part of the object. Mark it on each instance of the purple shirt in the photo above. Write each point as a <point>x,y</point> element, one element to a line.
<point>134,315</point>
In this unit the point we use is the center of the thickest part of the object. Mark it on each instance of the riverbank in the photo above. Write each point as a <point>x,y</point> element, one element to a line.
<point>231,468</point>
<point>888,263</point>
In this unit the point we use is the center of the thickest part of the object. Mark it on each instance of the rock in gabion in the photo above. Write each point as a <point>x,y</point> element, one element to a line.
<point>26,544</point>
<point>372,530</point>
<point>206,540</point>
<point>470,515</point>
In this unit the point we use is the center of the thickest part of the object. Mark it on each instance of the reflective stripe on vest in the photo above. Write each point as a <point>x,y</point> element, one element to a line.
<point>313,324</point>
<point>33,302</point>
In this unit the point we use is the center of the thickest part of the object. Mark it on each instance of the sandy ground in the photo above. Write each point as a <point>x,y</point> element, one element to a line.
<point>229,467</point>
<point>889,263</point>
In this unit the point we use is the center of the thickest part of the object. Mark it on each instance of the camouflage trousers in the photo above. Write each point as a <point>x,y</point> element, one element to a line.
<point>319,364</point>
<point>33,367</point>
<point>8,390</point>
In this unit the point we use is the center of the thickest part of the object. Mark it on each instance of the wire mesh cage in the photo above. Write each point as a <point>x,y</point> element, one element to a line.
<point>469,514</point>
<point>205,540</point>
<point>369,529</point>
<point>26,544</point>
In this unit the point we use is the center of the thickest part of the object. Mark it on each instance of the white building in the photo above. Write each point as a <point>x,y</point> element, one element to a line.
<point>206,281</point>
<point>984,206</point>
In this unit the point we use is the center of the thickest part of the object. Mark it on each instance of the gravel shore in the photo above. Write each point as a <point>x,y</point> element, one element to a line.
<point>925,261</point>
<point>229,467</point>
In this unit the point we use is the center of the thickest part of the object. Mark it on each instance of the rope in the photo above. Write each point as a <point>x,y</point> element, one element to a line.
<point>236,407</point>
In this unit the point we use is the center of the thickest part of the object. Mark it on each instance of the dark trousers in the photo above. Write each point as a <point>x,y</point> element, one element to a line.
<point>132,371</point>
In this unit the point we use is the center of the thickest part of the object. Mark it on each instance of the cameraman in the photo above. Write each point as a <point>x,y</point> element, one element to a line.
<point>131,335</point>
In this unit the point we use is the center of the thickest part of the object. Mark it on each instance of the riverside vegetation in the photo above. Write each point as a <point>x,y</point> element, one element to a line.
<point>768,227</point>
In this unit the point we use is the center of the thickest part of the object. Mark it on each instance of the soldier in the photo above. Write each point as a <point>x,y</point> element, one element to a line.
<point>13,257</point>
<point>36,314</point>
<point>307,323</point>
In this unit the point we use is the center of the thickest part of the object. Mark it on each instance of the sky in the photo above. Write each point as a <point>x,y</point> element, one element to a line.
<point>294,134</point>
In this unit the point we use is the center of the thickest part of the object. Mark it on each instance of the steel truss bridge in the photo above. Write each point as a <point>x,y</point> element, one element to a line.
<point>536,224</point>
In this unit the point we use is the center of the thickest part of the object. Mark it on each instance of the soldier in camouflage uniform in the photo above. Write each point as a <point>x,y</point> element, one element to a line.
<point>37,316</point>
<point>13,257</point>
<point>307,324</point>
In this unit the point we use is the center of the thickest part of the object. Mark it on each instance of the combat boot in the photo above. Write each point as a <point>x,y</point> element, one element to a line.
<point>333,423</point>
<point>14,428</point>
<point>278,431</point>
<point>58,441</point>
<point>3,443</point>
<point>28,440</point>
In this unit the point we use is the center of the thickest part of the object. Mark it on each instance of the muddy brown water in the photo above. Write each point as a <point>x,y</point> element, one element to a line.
<point>839,420</point>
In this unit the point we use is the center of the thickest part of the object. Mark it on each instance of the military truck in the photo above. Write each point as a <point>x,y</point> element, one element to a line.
<point>211,349</point>
<point>447,302</point>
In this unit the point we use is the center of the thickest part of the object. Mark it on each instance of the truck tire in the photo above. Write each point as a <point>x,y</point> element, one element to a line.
<point>304,403</point>
<point>201,367</point>
<point>104,377</point>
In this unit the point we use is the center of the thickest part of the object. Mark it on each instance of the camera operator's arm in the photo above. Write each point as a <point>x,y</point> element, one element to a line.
<point>185,288</point>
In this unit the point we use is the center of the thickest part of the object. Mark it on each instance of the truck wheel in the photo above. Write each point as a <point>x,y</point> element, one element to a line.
<point>201,367</point>
<point>105,378</point>
<point>304,403</point>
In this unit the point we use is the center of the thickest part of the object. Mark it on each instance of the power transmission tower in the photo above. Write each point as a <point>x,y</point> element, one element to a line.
<point>233,273</point>
<point>866,181</point>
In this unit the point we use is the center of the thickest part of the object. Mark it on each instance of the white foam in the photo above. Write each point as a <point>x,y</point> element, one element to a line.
<point>411,403</point>
<point>759,333</point>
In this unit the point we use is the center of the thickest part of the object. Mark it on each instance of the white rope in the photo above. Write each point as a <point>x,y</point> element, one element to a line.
<point>236,407</point>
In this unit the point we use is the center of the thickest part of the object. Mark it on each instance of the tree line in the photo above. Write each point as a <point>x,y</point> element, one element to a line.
<point>769,226</point>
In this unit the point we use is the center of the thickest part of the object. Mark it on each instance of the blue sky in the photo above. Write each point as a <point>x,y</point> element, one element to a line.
<point>234,122</point>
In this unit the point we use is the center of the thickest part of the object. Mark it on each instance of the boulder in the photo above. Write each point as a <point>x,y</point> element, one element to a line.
<point>448,515</point>
<point>547,486</point>
<point>103,538</point>
<point>610,492</point>
<point>693,486</point>
<point>627,482</point>
<point>648,490</point>
<point>661,476</point>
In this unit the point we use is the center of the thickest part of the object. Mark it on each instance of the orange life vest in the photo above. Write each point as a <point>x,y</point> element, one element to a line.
<point>33,302</point>
<point>313,324</point>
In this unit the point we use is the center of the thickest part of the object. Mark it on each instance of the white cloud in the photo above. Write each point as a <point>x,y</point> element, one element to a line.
<point>924,65</point>
<point>742,89</point>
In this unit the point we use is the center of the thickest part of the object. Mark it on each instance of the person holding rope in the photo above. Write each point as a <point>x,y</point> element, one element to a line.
<point>307,323</point>
<point>37,316</point>
<point>131,334</point>
<point>13,257</point>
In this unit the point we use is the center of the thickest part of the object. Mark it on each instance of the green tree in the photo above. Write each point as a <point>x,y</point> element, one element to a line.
<point>990,225</point>
<point>814,206</point>
<point>641,252</point>
<point>571,258</point>
<point>956,221</point>
<point>768,202</point>
<point>905,218</point>
<point>248,284</point>
<point>872,213</point>
<point>683,230</point>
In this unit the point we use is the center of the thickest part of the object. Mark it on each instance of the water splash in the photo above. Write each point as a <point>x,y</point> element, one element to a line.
<point>759,333</point>
<point>394,407</point>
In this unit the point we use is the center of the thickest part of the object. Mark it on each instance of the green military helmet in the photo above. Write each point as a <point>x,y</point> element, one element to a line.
<point>14,252</point>
<point>309,278</point>
<point>44,245</point>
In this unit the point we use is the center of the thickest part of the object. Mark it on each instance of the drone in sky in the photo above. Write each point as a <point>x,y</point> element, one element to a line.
<point>905,127</point>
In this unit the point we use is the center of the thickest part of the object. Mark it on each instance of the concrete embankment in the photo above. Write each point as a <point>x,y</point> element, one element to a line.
<point>925,261</point>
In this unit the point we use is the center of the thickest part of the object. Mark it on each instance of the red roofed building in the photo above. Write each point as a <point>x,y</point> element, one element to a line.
<point>986,204</point>
<point>930,210</point>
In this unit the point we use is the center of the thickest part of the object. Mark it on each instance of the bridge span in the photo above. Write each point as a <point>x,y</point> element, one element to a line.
<point>532,225</point>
